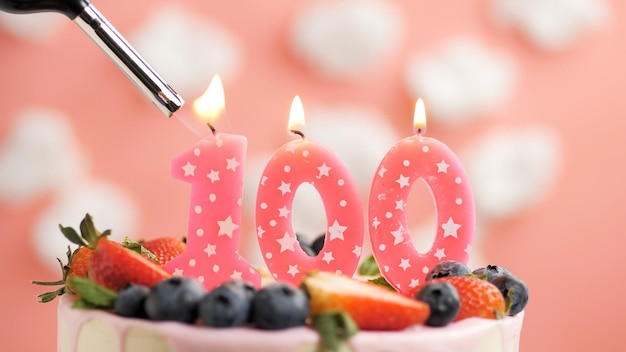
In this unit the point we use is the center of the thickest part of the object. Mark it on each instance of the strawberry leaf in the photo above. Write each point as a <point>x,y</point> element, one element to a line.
<point>380,281</point>
<point>91,294</point>
<point>88,230</point>
<point>333,327</point>
<point>72,235</point>
<point>369,267</point>
<point>49,296</point>
<point>137,247</point>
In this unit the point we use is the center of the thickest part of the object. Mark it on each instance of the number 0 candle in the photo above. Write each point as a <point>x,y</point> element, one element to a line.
<point>296,162</point>
<point>413,158</point>
<point>214,167</point>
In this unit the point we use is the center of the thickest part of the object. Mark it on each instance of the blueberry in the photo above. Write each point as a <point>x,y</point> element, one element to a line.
<point>279,306</point>
<point>448,268</point>
<point>176,299</point>
<point>443,300</point>
<point>318,243</point>
<point>492,271</point>
<point>130,301</point>
<point>514,291</point>
<point>305,244</point>
<point>228,305</point>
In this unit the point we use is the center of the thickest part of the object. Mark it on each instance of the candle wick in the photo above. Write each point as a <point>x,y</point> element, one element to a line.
<point>213,130</point>
<point>298,133</point>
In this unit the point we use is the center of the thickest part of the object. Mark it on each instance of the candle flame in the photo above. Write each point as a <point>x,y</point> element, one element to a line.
<point>210,105</point>
<point>296,116</point>
<point>419,117</point>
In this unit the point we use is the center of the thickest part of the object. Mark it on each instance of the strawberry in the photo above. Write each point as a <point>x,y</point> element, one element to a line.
<point>114,266</point>
<point>165,248</point>
<point>372,307</point>
<point>479,298</point>
<point>77,260</point>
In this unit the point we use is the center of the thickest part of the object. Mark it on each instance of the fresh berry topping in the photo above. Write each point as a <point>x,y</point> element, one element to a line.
<point>479,298</point>
<point>279,305</point>
<point>318,243</point>
<point>114,266</point>
<point>514,291</point>
<point>130,301</point>
<point>77,260</point>
<point>228,305</point>
<point>443,301</point>
<point>372,307</point>
<point>165,248</point>
<point>175,299</point>
<point>448,268</point>
<point>491,272</point>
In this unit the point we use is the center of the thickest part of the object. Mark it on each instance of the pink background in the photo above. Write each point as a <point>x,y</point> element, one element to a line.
<point>569,248</point>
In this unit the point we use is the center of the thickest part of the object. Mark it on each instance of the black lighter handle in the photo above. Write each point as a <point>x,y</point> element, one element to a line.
<point>70,8</point>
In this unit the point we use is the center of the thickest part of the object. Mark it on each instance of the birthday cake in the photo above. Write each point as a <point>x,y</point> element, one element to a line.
<point>147,309</point>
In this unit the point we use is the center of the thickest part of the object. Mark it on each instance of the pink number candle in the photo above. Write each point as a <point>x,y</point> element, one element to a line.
<point>214,167</point>
<point>296,162</point>
<point>413,158</point>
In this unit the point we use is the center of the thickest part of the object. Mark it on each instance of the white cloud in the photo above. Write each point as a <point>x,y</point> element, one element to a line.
<point>461,79</point>
<point>111,208</point>
<point>342,38</point>
<point>512,169</point>
<point>40,154</point>
<point>187,49</point>
<point>551,24</point>
<point>32,26</point>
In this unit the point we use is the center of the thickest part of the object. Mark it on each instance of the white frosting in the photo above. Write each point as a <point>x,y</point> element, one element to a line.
<point>89,330</point>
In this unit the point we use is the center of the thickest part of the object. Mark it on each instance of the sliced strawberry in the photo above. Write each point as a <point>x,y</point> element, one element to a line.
<point>165,248</point>
<point>372,307</point>
<point>479,298</point>
<point>114,266</point>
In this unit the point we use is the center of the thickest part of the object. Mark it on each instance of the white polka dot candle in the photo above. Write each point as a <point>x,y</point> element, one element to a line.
<point>214,167</point>
<point>295,163</point>
<point>413,158</point>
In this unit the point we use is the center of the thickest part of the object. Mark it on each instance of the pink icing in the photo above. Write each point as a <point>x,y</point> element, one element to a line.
<point>215,169</point>
<point>293,164</point>
<point>411,159</point>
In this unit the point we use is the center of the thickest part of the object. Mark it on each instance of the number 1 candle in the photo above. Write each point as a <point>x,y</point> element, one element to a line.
<point>215,168</point>
<point>296,162</point>
<point>413,158</point>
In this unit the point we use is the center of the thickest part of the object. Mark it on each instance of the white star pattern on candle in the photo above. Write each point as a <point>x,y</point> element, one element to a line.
<point>328,257</point>
<point>450,228</point>
<point>291,147</point>
<point>404,263</point>
<point>400,204</point>
<point>468,249</point>
<point>283,212</point>
<point>324,169</point>
<point>232,163</point>
<point>403,181</point>
<point>286,242</point>
<point>336,231</point>
<point>398,235</point>
<point>442,167</point>
<point>213,176</point>
<point>414,283</point>
<point>293,270</point>
<point>263,179</point>
<point>227,227</point>
<point>357,250</point>
<point>382,171</point>
<point>178,272</point>
<point>440,253</point>
<point>236,275</point>
<point>375,222</point>
<point>210,249</point>
<point>284,187</point>
<point>260,231</point>
<point>189,169</point>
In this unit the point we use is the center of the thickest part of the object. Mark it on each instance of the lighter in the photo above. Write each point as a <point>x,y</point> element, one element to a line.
<point>91,21</point>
